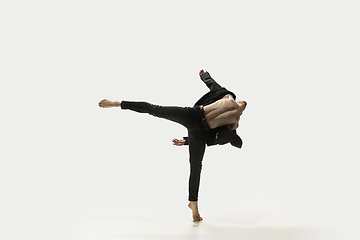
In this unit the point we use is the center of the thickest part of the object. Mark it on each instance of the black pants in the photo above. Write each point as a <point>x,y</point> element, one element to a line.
<point>198,134</point>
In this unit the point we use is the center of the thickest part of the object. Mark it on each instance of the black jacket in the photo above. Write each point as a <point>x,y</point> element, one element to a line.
<point>223,134</point>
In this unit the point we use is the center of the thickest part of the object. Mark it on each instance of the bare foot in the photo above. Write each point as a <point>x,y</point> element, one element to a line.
<point>194,207</point>
<point>108,103</point>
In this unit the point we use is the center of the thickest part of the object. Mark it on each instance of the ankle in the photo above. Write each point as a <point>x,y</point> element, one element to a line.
<point>117,104</point>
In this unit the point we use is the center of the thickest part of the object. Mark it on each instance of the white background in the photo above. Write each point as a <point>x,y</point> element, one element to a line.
<point>296,63</point>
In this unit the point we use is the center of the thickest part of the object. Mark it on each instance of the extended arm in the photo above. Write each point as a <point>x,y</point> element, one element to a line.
<point>209,81</point>
<point>178,142</point>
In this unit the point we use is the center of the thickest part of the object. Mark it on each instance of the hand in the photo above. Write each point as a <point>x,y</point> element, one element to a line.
<point>201,72</point>
<point>178,142</point>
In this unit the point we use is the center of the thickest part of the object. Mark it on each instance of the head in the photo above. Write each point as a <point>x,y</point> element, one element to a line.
<point>242,104</point>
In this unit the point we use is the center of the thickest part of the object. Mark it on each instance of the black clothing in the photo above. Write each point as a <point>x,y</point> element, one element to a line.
<point>192,119</point>
<point>199,133</point>
<point>222,134</point>
<point>189,117</point>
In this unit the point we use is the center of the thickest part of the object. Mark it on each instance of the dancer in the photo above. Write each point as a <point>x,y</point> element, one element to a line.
<point>213,120</point>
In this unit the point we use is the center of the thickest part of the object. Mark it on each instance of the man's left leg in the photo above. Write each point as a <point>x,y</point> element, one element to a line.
<point>196,150</point>
<point>188,117</point>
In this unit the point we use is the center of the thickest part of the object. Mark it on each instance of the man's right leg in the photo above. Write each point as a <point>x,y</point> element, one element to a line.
<point>187,116</point>
<point>181,115</point>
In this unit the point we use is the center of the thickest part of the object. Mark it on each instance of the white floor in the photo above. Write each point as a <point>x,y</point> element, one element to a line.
<point>104,224</point>
<point>107,228</point>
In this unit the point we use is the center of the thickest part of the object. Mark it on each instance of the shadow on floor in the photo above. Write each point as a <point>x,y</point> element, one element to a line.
<point>121,228</point>
<point>267,233</point>
<point>207,231</point>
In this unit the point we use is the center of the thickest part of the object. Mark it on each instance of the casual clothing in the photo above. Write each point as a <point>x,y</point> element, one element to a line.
<point>199,132</point>
<point>223,134</point>
<point>193,119</point>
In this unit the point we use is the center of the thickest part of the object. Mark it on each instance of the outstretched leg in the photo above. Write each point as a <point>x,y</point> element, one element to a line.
<point>187,116</point>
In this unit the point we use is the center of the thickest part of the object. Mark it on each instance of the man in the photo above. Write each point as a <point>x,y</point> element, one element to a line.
<point>213,120</point>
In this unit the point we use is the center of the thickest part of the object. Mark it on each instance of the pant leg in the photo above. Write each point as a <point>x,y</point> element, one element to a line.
<point>186,116</point>
<point>196,150</point>
<point>191,119</point>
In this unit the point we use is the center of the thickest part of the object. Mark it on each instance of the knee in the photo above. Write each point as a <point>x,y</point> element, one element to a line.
<point>155,110</point>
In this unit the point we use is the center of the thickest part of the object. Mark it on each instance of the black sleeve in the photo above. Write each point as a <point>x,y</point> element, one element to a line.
<point>237,143</point>
<point>186,140</point>
<point>209,81</point>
